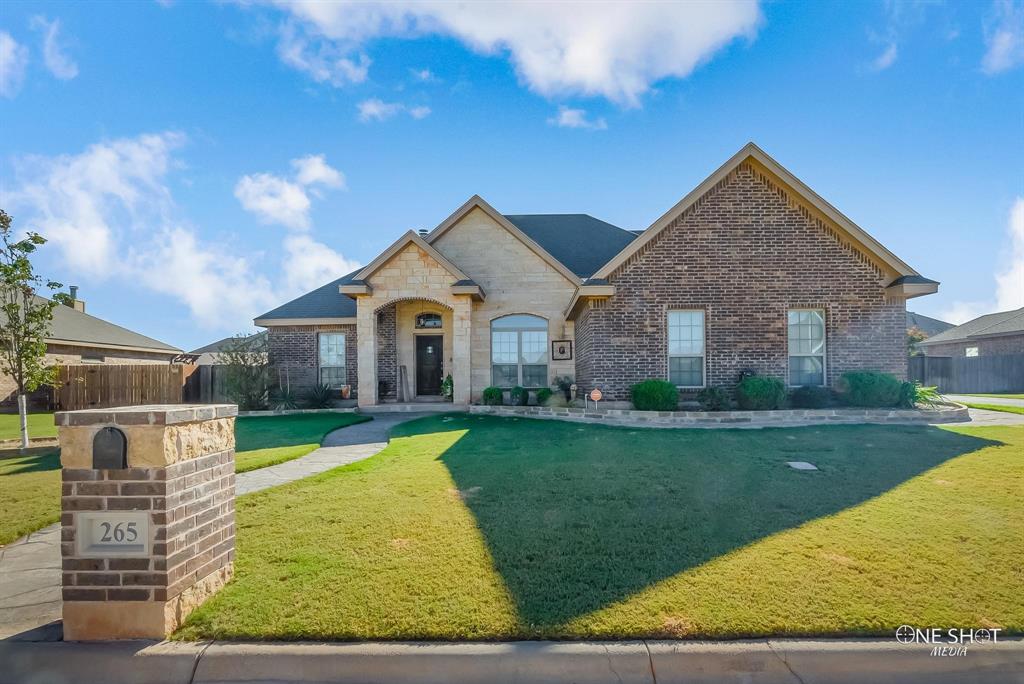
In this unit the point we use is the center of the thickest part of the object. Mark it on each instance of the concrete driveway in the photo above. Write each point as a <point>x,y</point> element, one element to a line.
<point>1000,401</point>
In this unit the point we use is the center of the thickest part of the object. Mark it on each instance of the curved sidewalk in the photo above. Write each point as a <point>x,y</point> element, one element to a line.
<point>30,567</point>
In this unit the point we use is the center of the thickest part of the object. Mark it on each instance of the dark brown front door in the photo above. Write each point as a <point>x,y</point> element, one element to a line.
<point>429,350</point>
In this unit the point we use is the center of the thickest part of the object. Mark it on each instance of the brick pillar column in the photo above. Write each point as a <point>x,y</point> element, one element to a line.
<point>366,339</point>
<point>148,535</point>
<point>462,347</point>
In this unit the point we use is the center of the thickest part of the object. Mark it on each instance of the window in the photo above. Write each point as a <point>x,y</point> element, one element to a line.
<point>806,347</point>
<point>428,320</point>
<point>519,351</point>
<point>971,351</point>
<point>93,357</point>
<point>332,360</point>
<point>686,348</point>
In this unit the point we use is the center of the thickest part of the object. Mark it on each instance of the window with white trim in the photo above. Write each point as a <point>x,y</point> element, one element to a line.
<point>332,360</point>
<point>519,351</point>
<point>686,348</point>
<point>806,347</point>
<point>968,351</point>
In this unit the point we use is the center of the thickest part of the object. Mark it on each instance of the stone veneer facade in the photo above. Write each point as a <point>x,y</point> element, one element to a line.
<point>745,254</point>
<point>182,473</point>
<point>294,353</point>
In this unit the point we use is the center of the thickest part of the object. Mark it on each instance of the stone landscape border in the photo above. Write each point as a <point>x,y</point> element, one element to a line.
<point>942,413</point>
<point>292,412</point>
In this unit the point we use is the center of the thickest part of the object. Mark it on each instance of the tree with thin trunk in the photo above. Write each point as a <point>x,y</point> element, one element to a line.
<point>25,317</point>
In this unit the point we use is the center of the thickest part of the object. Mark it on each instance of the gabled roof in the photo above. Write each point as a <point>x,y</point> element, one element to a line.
<point>400,244</point>
<point>1001,323</point>
<point>477,202</point>
<point>749,152</point>
<point>79,329</point>
<point>325,303</point>
<point>929,326</point>
<point>579,241</point>
<point>219,345</point>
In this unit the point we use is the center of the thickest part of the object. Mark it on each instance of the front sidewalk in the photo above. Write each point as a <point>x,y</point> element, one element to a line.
<point>775,661</point>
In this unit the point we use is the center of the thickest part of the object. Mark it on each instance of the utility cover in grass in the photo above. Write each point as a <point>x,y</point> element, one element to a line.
<point>801,465</point>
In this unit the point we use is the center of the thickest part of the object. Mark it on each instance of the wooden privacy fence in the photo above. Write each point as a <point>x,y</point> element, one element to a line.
<point>206,385</point>
<point>969,374</point>
<point>102,386</point>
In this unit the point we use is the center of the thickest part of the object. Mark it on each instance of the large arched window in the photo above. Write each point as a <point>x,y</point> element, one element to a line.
<point>519,351</point>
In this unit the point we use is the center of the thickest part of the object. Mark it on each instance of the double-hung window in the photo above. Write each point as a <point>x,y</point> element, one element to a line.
<point>332,360</point>
<point>519,351</point>
<point>686,348</point>
<point>806,347</point>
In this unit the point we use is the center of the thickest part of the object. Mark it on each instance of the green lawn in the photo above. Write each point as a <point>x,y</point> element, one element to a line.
<point>1000,396</point>
<point>474,527</point>
<point>39,425</point>
<point>29,491</point>
<point>30,484</point>
<point>262,441</point>
<point>996,407</point>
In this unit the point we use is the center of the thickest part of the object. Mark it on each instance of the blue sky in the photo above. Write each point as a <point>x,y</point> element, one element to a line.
<point>195,164</point>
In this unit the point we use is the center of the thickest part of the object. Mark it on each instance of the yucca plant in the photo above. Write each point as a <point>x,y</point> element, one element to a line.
<point>320,396</point>
<point>282,399</point>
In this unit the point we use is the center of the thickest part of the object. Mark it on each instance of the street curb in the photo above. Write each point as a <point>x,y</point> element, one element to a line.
<point>655,662</point>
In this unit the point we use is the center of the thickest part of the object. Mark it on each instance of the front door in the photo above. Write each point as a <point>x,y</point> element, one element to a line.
<point>429,350</point>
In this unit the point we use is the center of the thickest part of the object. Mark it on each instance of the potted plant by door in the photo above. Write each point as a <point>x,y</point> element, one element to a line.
<point>346,391</point>
<point>447,387</point>
<point>564,383</point>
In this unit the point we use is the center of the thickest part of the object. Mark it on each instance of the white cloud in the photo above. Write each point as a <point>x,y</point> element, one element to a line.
<point>274,199</point>
<point>420,112</point>
<point>886,59</point>
<point>1009,279</point>
<point>309,264</point>
<point>425,75</point>
<point>59,64</point>
<point>322,61</point>
<point>13,60</point>
<point>576,118</point>
<point>1004,37</point>
<point>377,110</point>
<point>616,50</point>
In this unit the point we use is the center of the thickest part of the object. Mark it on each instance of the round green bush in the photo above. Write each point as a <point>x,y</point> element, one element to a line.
<point>655,395</point>
<point>810,397</point>
<point>492,396</point>
<point>543,394</point>
<point>713,399</point>
<point>760,393</point>
<point>870,389</point>
<point>519,396</point>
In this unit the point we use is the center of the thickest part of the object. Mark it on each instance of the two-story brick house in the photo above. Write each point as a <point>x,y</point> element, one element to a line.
<point>751,270</point>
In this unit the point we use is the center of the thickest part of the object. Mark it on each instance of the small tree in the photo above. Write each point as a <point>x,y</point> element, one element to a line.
<point>915,335</point>
<point>247,372</point>
<point>25,317</point>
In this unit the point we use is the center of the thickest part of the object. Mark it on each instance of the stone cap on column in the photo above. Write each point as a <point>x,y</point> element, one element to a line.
<point>156,435</point>
<point>152,414</point>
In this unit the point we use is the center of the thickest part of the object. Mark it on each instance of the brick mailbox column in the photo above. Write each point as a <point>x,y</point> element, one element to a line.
<point>148,516</point>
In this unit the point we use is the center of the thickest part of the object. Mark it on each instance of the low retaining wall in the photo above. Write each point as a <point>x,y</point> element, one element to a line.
<point>946,413</point>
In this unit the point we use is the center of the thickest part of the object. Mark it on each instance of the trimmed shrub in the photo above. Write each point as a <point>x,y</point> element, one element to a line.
<point>655,395</point>
<point>810,397</point>
<point>519,396</point>
<point>543,394</point>
<point>320,396</point>
<point>492,396</point>
<point>870,389</point>
<point>760,393</point>
<point>713,399</point>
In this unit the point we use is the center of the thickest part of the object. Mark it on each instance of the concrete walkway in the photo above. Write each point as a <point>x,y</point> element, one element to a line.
<point>774,661</point>
<point>984,418</point>
<point>30,567</point>
<point>1000,401</point>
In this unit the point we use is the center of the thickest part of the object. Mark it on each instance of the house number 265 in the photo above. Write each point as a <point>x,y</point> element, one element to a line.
<point>118,532</point>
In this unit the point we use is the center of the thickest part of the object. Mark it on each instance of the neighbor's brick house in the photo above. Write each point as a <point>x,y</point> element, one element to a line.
<point>750,271</point>
<point>996,334</point>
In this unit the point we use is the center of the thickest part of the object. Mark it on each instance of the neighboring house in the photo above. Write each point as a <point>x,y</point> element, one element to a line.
<point>78,338</point>
<point>926,325</point>
<point>207,356</point>
<point>750,271</point>
<point>996,334</point>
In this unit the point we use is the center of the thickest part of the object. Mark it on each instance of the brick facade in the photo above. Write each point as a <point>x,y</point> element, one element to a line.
<point>744,254</point>
<point>387,352</point>
<point>294,353</point>
<point>191,506</point>
<point>987,346</point>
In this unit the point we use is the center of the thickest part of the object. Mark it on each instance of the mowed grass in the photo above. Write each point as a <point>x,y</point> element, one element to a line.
<point>29,491</point>
<point>474,527</point>
<point>262,441</point>
<point>30,484</point>
<point>1005,408</point>
<point>999,396</point>
<point>39,425</point>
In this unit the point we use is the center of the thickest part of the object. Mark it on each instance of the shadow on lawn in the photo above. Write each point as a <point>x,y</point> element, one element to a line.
<point>35,459</point>
<point>577,518</point>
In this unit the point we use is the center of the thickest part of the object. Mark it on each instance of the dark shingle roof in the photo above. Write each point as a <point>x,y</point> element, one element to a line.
<point>219,345</point>
<point>79,328</point>
<point>1002,323</point>
<point>581,242</point>
<point>929,326</point>
<point>324,302</point>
